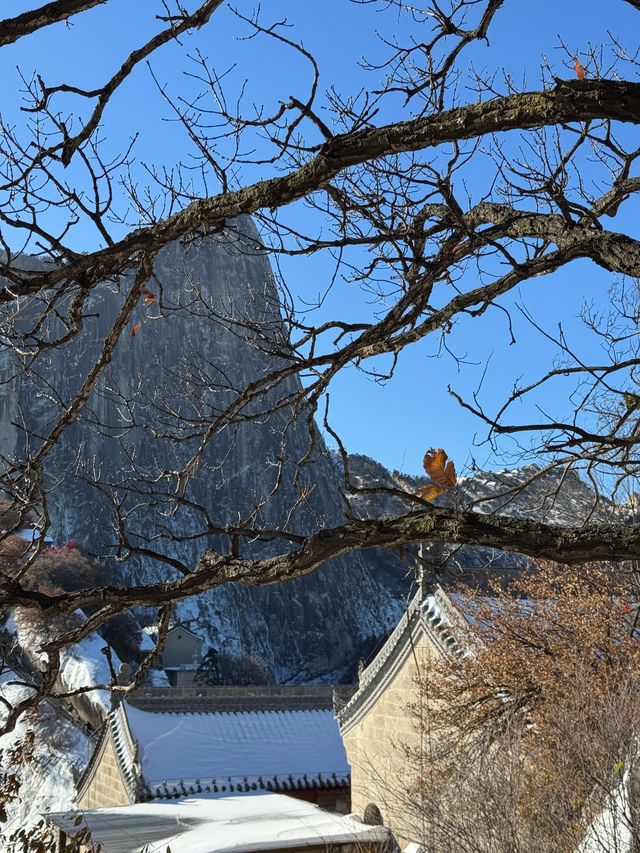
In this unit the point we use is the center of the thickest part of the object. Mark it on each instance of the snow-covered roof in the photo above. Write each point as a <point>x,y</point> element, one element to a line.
<point>180,626</point>
<point>219,825</point>
<point>221,752</point>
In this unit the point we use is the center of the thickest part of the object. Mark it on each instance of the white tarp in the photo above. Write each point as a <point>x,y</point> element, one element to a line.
<point>210,824</point>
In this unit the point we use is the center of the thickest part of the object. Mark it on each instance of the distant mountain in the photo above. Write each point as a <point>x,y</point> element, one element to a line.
<point>551,495</point>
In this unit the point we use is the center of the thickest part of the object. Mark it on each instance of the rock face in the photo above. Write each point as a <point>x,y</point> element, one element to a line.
<point>194,350</point>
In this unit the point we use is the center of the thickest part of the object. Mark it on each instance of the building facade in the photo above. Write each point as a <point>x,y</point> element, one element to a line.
<point>379,724</point>
<point>181,655</point>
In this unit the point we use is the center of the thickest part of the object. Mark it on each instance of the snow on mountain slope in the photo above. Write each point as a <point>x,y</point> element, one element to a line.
<point>62,742</point>
<point>81,665</point>
<point>554,496</point>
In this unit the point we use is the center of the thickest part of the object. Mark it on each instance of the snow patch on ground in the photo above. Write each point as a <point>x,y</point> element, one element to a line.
<point>157,678</point>
<point>61,751</point>
<point>62,745</point>
<point>610,832</point>
<point>81,665</point>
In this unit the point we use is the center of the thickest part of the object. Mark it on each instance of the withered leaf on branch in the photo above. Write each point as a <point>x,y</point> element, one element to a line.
<point>579,69</point>
<point>134,330</point>
<point>441,470</point>
<point>430,492</point>
<point>149,298</point>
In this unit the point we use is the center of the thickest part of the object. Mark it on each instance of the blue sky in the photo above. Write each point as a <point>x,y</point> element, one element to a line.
<point>393,422</point>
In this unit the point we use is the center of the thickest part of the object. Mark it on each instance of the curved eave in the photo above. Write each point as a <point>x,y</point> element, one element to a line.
<point>116,731</point>
<point>96,756</point>
<point>281,783</point>
<point>126,749</point>
<point>422,618</point>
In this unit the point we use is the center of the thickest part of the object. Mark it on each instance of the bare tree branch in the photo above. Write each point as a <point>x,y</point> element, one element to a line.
<point>12,29</point>
<point>571,101</point>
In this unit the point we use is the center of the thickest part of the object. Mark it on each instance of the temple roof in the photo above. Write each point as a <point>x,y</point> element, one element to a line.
<point>172,754</point>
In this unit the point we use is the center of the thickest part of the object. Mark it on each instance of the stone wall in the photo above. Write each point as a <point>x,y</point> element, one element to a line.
<point>106,789</point>
<point>375,744</point>
<point>272,697</point>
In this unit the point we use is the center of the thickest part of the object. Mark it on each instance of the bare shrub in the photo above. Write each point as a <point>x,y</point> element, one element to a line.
<point>525,737</point>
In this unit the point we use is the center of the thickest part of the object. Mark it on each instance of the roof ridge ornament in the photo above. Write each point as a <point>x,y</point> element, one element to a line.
<point>422,582</point>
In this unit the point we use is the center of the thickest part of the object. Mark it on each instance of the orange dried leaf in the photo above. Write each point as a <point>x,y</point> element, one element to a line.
<point>134,330</point>
<point>579,69</point>
<point>429,493</point>
<point>440,468</point>
<point>149,298</point>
